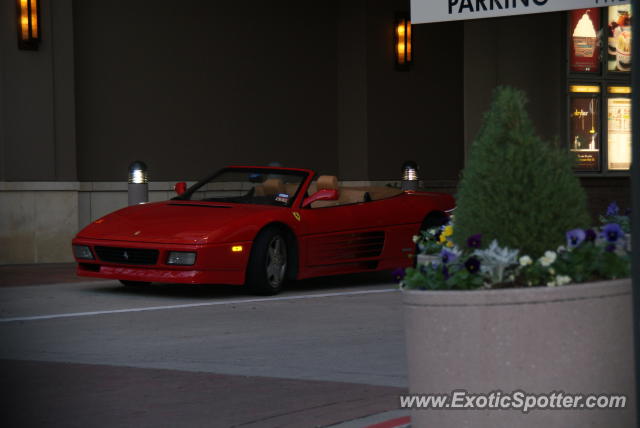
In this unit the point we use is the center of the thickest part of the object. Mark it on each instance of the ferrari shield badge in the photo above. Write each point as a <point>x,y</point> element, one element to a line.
<point>296,215</point>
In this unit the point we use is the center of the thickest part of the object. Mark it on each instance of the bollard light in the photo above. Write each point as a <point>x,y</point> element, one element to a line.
<point>138,187</point>
<point>138,172</point>
<point>410,176</point>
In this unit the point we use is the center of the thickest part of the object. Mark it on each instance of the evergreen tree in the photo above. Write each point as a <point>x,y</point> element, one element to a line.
<point>517,188</point>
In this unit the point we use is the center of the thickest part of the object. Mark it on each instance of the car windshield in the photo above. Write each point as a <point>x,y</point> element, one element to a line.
<point>248,186</point>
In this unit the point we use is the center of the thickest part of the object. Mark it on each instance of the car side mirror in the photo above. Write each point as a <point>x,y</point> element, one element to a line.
<point>180,188</point>
<point>321,195</point>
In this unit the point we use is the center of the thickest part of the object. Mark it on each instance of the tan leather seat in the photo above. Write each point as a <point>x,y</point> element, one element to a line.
<point>270,187</point>
<point>273,186</point>
<point>291,188</point>
<point>327,182</point>
<point>323,182</point>
<point>346,195</point>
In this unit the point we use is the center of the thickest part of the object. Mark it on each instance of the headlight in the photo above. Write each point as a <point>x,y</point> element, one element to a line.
<point>82,252</point>
<point>181,258</point>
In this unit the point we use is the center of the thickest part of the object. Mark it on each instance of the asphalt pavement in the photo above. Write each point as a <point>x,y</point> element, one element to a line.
<point>77,352</point>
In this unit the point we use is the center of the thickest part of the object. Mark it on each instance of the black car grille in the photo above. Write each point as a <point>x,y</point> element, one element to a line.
<point>134,256</point>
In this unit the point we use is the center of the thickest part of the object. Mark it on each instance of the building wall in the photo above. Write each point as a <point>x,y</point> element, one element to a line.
<point>37,221</point>
<point>189,87</point>
<point>525,52</point>
<point>601,191</point>
<point>414,115</point>
<point>37,111</point>
<point>386,116</point>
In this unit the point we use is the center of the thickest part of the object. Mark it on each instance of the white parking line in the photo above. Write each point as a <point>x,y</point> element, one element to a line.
<point>194,305</point>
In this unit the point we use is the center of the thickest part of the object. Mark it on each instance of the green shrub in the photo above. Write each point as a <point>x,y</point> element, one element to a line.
<point>515,187</point>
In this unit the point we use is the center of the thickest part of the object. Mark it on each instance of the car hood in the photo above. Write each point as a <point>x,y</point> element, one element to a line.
<point>182,222</point>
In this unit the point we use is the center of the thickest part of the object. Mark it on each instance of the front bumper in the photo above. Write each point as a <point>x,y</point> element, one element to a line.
<point>215,264</point>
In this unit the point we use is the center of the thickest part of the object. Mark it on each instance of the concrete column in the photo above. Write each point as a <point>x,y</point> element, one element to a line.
<point>353,151</point>
<point>64,90</point>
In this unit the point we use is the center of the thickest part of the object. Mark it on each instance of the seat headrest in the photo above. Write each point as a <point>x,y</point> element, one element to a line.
<point>327,182</point>
<point>273,186</point>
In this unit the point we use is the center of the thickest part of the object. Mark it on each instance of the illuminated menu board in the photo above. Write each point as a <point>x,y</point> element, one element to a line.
<point>619,38</point>
<point>619,135</point>
<point>585,49</point>
<point>584,127</point>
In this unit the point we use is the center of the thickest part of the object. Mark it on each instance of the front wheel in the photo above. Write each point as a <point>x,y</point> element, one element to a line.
<point>268,264</point>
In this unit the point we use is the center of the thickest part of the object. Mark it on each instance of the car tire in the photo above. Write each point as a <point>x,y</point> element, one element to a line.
<point>133,283</point>
<point>269,262</point>
<point>433,220</point>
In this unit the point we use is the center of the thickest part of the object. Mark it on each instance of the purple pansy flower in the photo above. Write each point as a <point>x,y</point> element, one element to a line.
<point>611,232</point>
<point>474,241</point>
<point>575,237</point>
<point>448,256</point>
<point>472,264</point>
<point>613,209</point>
<point>590,235</point>
<point>445,272</point>
<point>398,274</point>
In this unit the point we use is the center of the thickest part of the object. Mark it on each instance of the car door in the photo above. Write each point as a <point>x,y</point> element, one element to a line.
<point>353,237</point>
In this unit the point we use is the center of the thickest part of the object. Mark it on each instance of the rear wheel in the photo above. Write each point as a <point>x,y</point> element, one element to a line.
<point>134,283</point>
<point>268,264</point>
<point>434,220</point>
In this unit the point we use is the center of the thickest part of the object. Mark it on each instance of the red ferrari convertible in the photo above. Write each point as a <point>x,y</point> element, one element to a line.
<point>259,226</point>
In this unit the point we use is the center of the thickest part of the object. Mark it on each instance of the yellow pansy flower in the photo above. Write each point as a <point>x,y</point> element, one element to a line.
<point>448,231</point>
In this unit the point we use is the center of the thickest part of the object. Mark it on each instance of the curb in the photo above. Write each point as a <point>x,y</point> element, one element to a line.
<point>403,422</point>
<point>398,418</point>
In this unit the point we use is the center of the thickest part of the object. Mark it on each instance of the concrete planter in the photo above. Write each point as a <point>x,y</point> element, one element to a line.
<point>575,339</point>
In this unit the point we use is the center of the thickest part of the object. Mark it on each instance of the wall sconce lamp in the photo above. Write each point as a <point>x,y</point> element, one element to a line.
<point>402,41</point>
<point>28,24</point>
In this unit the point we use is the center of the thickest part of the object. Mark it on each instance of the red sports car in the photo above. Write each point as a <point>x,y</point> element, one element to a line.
<point>259,226</point>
